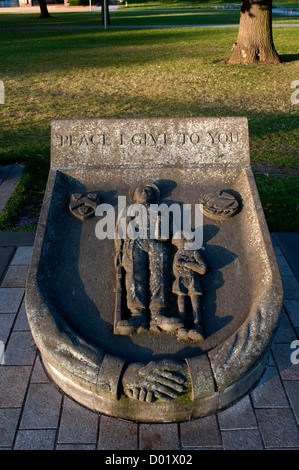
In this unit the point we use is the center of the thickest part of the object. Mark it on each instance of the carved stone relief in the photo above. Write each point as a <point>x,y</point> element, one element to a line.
<point>220,205</point>
<point>146,269</point>
<point>83,207</point>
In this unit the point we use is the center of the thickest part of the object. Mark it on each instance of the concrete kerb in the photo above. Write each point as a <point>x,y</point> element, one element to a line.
<point>9,177</point>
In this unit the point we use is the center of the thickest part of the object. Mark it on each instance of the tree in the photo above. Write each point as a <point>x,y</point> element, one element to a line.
<point>44,9</point>
<point>255,39</point>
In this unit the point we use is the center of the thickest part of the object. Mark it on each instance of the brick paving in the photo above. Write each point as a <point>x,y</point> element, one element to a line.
<point>35,415</point>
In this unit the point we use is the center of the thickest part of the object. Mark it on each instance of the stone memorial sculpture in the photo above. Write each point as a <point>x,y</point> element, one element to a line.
<point>136,322</point>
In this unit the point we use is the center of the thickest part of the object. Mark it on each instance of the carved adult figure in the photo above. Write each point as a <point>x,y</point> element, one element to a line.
<point>144,260</point>
<point>188,267</point>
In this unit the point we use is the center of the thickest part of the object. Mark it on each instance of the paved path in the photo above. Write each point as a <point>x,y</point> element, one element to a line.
<point>65,27</point>
<point>61,8</point>
<point>53,9</point>
<point>285,11</point>
<point>34,414</point>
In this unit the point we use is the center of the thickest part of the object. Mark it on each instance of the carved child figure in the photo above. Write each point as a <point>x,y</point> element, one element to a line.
<point>188,267</point>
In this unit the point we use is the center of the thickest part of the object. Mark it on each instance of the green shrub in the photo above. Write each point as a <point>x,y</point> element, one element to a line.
<point>76,3</point>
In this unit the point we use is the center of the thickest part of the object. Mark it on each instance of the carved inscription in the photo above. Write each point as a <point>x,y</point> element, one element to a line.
<point>149,139</point>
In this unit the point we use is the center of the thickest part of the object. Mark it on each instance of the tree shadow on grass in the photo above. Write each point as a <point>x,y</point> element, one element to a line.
<point>62,50</point>
<point>289,57</point>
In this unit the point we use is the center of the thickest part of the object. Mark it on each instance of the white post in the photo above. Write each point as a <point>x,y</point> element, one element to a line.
<point>105,13</point>
<point>2,101</point>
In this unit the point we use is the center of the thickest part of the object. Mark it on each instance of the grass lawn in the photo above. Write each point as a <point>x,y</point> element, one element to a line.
<point>126,18</point>
<point>171,72</point>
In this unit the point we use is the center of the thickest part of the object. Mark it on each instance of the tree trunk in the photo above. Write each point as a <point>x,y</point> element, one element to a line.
<point>44,9</point>
<point>255,40</point>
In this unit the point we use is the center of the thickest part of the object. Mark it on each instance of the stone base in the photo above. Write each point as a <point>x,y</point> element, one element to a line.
<point>181,409</point>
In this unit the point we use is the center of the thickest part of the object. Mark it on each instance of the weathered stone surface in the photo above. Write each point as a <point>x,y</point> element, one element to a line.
<point>42,407</point>
<point>13,378</point>
<point>245,439</point>
<point>117,434</point>
<point>274,429</point>
<point>9,418</point>
<point>206,431</point>
<point>159,437</point>
<point>6,253</point>
<point>149,142</point>
<point>35,439</point>
<point>153,375</point>
<point>77,424</point>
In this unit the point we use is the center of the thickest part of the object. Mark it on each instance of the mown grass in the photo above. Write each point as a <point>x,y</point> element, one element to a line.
<point>171,72</point>
<point>279,196</point>
<point>123,18</point>
<point>23,208</point>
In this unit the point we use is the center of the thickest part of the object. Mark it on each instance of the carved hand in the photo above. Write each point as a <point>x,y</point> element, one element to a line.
<point>164,380</point>
<point>118,260</point>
